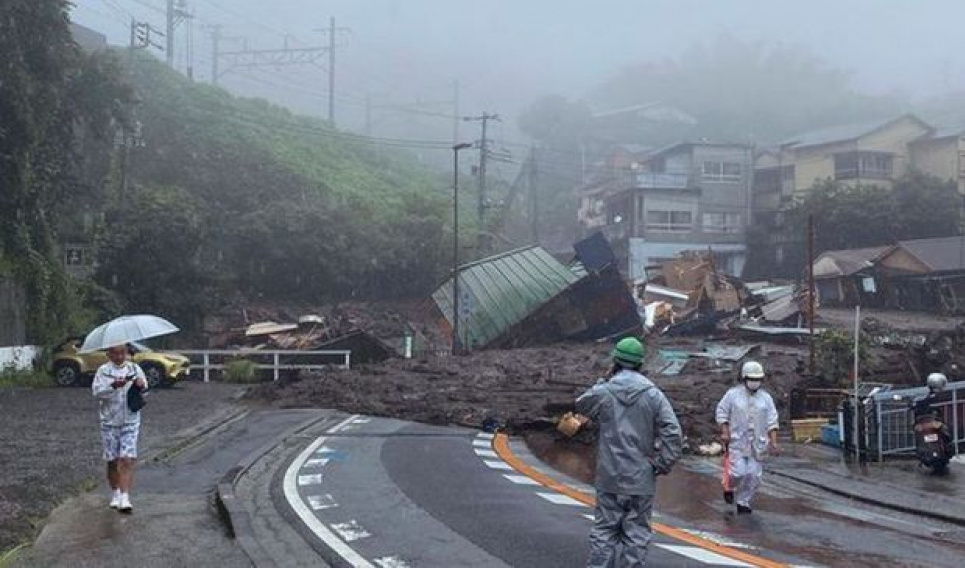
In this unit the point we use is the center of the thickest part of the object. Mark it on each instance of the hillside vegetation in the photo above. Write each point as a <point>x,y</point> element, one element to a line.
<point>236,198</point>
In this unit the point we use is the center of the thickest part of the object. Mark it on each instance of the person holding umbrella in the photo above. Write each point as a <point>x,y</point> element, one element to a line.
<point>119,422</point>
<point>118,386</point>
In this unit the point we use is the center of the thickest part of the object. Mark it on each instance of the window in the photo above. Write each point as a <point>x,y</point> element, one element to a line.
<point>870,165</point>
<point>722,222</point>
<point>669,221</point>
<point>721,171</point>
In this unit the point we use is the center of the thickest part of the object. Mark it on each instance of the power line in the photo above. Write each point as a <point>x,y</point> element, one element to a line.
<point>245,18</point>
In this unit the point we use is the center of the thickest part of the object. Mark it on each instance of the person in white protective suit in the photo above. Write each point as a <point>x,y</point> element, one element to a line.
<point>748,428</point>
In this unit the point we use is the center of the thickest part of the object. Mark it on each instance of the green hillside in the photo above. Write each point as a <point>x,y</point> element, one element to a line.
<point>234,196</point>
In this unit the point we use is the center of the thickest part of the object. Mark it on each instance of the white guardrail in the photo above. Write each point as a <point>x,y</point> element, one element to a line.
<point>208,360</point>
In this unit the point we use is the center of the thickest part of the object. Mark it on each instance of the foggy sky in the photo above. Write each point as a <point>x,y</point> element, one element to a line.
<point>505,53</point>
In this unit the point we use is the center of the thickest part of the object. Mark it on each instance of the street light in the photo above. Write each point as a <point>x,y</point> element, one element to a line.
<point>456,340</point>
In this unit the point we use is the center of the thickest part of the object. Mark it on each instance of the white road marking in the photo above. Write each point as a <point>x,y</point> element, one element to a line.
<point>316,462</point>
<point>485,436</point>
<point>498,464</point>
<point>321,502</point>
<point>718,539</point>
<point>521,479</point>
<point>560,499</point>
<point>308,517</point>
<point>391,562</point>
<point>361,420</point>
<point>703,556</point>
<point>480,443</point>
<point>311,479</point>
<point>325,450</point>
<point>589,517</point>
<point>486,453</point>
<point>351,531</point>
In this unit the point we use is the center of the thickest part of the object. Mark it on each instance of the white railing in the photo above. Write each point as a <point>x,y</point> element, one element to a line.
<point>206,365</point>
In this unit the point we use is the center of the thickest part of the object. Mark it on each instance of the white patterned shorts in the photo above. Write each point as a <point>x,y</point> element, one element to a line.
<point>120,441</point>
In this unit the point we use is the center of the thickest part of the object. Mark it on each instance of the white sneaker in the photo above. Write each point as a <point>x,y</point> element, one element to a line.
<point>116,500</point>
<point>124,505</point>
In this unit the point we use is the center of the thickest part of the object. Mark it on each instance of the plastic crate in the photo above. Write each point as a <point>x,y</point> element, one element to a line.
<point>807,429</point>
<point>831,435</point>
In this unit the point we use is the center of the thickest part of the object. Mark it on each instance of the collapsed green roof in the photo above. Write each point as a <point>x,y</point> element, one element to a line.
<point>498,292</point>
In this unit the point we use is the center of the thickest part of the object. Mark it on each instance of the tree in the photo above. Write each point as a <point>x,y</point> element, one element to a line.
<point>48,93</point>
<point>918,206</point>
<point>745,91</point>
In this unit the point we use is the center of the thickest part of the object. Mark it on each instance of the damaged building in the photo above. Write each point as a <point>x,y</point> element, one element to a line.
<point>527,297</point>
<point>687,196</point>
<point>920,274</point>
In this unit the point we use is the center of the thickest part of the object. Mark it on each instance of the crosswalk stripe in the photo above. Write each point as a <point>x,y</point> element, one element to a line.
<point>480,443</point>
<point>497,464</point>
<point>485,453</point>
<point>520,479</point>
<point>560,499</point>
<point>702,556</point>
<point>485,436</point>
<point>313,479</point>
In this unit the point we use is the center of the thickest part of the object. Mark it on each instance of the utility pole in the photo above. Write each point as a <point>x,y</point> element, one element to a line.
<point>331,30</point>
<point>169,33</point>
<point>455,111</point>
<point>811,291</point>
<point>484,118</point>
<point>215,52</point>
<point>176,13</point>
<point>331,70</point>
<point>534,195</point>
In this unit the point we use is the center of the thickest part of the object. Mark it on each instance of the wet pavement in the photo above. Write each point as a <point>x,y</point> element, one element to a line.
<point>803,520</point>
<point>174,521</point>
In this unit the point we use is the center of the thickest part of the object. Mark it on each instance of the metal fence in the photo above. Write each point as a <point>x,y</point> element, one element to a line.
<point>207,360</point>
<point>888,422</point>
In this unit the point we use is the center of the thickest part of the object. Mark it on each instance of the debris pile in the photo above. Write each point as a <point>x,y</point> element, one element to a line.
<point>687,296</point>
<point>372,331</point>
<point>530,388</point>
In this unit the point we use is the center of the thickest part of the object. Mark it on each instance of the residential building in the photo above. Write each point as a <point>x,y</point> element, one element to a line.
<point>687,196</point>
<point>870,152</point>
<point>942,154</point>
<point>919,274</point>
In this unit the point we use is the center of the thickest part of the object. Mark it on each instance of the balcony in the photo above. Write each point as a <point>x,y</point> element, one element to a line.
<point>660,180</point>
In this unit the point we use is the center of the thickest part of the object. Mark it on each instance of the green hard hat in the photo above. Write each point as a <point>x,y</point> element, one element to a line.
<point>629,350</point>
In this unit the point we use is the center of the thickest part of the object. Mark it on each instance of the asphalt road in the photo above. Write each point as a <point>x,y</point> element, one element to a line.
<point>380,492</point>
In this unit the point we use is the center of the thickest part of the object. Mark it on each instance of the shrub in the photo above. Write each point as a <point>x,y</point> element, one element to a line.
<point>241,371</point>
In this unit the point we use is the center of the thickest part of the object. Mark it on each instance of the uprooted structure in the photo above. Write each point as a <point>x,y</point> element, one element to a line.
<point>526,297</point>
<point>688,296</point>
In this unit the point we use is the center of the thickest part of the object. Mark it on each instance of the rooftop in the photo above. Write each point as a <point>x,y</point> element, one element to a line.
<point>837,263</point>
<point>942,254</point>
<point>843,132</point>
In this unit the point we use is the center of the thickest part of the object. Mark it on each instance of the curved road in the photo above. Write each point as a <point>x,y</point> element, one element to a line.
<point>389,494</point>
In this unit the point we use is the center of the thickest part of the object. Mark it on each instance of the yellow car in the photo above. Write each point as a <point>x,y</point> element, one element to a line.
<point>162,368</point>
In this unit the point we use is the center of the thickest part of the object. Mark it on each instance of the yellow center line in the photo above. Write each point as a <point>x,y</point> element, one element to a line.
<point>501,446</point>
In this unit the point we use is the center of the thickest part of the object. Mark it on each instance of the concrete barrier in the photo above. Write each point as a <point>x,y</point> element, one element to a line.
<point>19,358</point>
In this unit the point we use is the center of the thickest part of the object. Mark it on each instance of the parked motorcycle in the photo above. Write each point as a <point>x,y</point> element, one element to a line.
<point>932,444</point>
<point>932,438</point>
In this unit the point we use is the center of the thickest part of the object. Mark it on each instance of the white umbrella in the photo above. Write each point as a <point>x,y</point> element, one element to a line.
<point>126,329</point>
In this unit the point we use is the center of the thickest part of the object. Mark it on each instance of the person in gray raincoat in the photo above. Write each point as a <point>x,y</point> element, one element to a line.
<point>639,439</point>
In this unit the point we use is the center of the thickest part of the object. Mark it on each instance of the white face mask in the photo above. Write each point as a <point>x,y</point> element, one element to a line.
<point>753,385</point>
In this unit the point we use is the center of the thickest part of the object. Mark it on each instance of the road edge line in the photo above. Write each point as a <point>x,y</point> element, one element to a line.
<point>330,539</point>
<point>235,515</point>
<point>501,446</point>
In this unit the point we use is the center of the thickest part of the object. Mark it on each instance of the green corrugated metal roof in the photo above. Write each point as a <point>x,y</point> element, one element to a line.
<point>502,290</point>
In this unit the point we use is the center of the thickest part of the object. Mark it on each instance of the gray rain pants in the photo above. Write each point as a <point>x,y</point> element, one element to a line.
<point>621,526</point>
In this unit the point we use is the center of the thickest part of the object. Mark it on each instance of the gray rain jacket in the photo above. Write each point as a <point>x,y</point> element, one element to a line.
<point>639,433</point>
